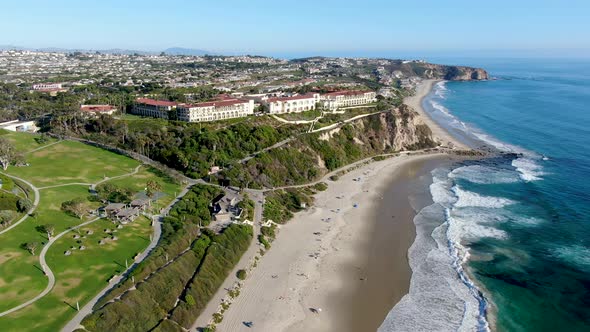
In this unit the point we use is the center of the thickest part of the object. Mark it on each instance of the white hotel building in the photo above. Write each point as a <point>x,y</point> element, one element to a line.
<point>299,103</point>
<point>341,99</point>
<point>215,110</point>
<point>153,108</point>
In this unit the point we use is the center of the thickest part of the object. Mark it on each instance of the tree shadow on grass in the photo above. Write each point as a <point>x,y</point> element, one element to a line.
<point>71,306</point>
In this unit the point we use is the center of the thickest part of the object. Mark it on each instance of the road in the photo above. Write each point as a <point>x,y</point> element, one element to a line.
<point>74,323</point>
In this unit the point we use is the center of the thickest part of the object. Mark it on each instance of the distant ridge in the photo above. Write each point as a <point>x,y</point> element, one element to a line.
<point>185,51</point>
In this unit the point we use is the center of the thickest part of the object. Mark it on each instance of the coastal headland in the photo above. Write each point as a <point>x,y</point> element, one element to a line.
<point>342,264</point>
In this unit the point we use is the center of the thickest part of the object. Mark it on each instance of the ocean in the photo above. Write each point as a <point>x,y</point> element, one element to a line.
<point>506,244</point>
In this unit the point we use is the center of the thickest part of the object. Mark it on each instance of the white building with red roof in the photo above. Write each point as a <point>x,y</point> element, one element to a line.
<point>222,109</point>
<point>292,104</point>
<point>153,108</point>
<point>342,99</point>
<point>96,110</point>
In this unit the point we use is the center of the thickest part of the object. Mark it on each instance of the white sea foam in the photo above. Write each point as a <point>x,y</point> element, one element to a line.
<point>528,168</point>
<point>440,90</point>
<point>484,174</point>
<point>441,296</point>
<point>440,108</point>
<point>467,198</point>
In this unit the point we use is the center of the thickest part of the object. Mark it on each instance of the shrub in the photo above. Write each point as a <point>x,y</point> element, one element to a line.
<point>241,274</point>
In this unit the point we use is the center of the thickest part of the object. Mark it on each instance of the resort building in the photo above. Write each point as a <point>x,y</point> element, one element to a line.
<point>215,110</point>
<point>342,99</point>
<point>95,110</point>
<point>153,108</point>
<point>20,126</point>
<point>292,104</point>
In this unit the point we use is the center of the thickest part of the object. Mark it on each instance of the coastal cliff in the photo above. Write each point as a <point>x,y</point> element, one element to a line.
<point>309,157</point>
<point>436,71</point>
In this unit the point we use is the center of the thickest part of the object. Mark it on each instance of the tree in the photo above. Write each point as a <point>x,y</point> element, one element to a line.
<point>7,153</point>
<point>241,274</point>
<point>190,300</point>
<point>76,207</point>
<point>151,188</point>
<point>23,204</point>
<point>48,229</point>
<point>30,246</point>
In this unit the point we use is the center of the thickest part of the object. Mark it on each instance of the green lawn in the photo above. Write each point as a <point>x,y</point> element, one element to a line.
<point>67,162</point>
<point>25,142</point>
<point>82,274</point>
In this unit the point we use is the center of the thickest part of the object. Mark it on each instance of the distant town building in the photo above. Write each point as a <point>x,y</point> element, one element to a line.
<point>98,109</point>
<point>153,108</point>
<point>340,99</point>
<point>47,86</point>
<point>51,88</point>
<point>215,110</point>
<point>20,126</point>
<point>292,104</point>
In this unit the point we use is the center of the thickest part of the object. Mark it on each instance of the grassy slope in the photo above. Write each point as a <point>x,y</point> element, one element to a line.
<point>81,275</point>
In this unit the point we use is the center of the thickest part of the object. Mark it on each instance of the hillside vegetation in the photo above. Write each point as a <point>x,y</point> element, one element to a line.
<point>310,156</point>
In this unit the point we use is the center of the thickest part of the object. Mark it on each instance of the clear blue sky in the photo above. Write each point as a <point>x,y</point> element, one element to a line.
<point>302,27</point>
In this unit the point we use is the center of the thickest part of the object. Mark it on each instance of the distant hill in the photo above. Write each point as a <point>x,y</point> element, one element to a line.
<point>185,51</point>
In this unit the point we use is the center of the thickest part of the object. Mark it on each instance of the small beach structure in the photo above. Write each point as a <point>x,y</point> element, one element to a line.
<point>224,207</point>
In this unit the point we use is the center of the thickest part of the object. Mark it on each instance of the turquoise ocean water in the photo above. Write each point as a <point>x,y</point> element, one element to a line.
<point>506,245</point>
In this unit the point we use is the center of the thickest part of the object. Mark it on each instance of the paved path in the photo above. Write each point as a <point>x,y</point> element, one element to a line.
<point>295,121</point>
<point>44,146</point>
<point>44,266</point>
<point>75,322</point>
<point>31,210</point>
<point>274,146</point>
<point>46,269</point>
<point>93,185</point>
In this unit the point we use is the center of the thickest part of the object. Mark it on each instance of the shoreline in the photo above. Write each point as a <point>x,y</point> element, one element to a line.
<point>344,268</point>
<point>439,134</point>
<point>348,254</point>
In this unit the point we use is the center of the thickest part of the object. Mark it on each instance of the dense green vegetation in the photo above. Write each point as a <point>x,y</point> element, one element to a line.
<point>280,205</point>
<point>310,156</point>
<point>187,147</point>
<point>172,273</point>
<point>193,278</point>
<point>179,231</point>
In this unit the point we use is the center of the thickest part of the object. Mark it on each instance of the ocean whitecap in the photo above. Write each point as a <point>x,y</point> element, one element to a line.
<point>467,198</point>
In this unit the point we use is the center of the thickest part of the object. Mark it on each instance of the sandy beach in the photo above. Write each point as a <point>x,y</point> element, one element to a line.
<point>415,101</point>
<point>355,265</point>
<point>346,255</point>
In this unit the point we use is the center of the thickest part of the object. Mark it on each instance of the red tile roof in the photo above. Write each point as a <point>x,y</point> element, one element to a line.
<point>305,96</point>
<point>97,108</point>
<point>154,102</point>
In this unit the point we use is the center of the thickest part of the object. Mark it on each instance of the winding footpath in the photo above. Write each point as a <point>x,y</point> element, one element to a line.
<point>31,210</point>
<point>46,269</point>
